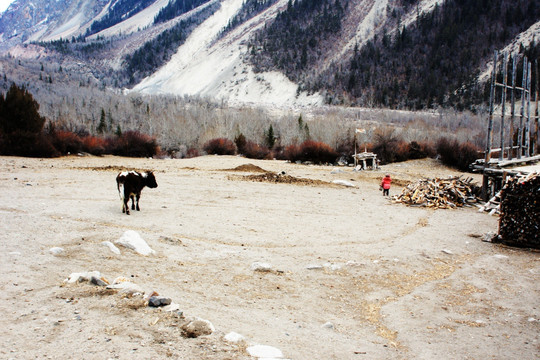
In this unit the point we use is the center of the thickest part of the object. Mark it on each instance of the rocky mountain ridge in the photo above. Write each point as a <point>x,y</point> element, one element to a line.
<point>204,48</point>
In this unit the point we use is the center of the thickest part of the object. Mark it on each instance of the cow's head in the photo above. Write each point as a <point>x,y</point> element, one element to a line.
<point>151,180</point>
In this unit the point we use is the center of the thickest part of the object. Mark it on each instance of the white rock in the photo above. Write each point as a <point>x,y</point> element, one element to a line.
<point>262,267</point>
<point>82,276</point>
<point>172,307</point>
<point>332,267</point>
<point>343,182</point>
<point>127,287</point>
<point>314,267</point>
<point>328,325</point>
<point>264,351</point>
<point>132,240</point>
<point>234,337</point>
<point>56,250</point>
<point>446,251</point>
<point>111,247</point>
<point>499,256</point>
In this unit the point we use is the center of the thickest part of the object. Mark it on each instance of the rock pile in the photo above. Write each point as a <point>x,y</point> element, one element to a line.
<point>520,212</point>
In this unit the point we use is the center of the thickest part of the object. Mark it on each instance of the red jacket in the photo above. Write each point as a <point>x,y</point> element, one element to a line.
<point>386,182</point>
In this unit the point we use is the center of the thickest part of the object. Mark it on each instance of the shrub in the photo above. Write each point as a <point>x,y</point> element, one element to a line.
<point>132,144</point>
<point>66,141</point>
<point>94,145</point>
<point>457,155</point>
<point>255,151</point>
<point>421,150</point>
<point>220,146</point>
<point>386,145</point>
<point>292,153</point>
<point>240,142</point>
<point>27,144</point>
<point>191,153</point>
<point>317,152</point>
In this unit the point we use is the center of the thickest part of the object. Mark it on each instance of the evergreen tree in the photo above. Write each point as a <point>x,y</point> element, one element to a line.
<point>19,112</point>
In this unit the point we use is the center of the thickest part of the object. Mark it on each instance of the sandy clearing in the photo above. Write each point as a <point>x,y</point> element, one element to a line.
<point>396,282</point>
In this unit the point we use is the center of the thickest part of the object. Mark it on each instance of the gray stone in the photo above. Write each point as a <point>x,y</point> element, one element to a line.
<point>156,301</point>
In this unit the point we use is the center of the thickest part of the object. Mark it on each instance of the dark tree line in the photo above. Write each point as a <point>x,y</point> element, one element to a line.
<point>435,60</point>
<point>176,8</point>
<point>249,9</point>
<point>294,40</point>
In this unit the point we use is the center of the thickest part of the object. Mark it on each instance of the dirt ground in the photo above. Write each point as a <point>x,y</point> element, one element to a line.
<point>352,275</point>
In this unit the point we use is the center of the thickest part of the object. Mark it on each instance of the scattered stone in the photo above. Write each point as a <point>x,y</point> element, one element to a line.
<point>234,337</point>
<point>314,267</point>
<point>56,250</point>
<point>343,183</point>
<point>98,281</point>
<point>80,277</point>
<point>157,301</point>
<point>197,327</point>
<point>328,325</point>
<point>127,288</point>
<point>336,171</point>
<point>264,351</point>
<point>172,307</point>
<point>261,267</point>
<point>446,251</point>
<point>331,266</point>
<point>111,247</point>
<point>490,237</point>
<point>132,240</point>
<point>499,256</point>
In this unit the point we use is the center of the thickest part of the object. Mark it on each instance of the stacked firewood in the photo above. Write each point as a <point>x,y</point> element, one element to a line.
<point>519,222</point>
<point>440,193</point>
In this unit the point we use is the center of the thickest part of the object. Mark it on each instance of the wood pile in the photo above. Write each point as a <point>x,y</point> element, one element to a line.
<point>493,205</point>
<point>519,222</point>
<point>440,193</point>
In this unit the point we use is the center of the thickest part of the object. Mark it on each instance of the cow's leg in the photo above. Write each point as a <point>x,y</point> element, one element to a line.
<point>132,202</point>
<point>138,197</point>
<point>125,206</point>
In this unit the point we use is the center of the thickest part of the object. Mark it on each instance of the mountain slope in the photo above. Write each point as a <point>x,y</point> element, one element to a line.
<point>216,69</point>
<point>393,53</point>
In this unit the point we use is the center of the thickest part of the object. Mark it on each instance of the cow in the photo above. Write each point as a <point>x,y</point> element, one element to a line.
<point>130,185</point>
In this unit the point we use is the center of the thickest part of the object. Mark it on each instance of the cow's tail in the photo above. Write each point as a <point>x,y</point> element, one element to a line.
<point>120,186</point>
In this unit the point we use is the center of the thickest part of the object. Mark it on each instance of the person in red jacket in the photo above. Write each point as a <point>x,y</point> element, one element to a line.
<point>385,185</point>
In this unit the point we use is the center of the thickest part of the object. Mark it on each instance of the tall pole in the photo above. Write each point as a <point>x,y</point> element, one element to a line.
<point>503,102</point>
<point>528,123</point>
<point>512,108</point>
<point>536,112</point>
<point>490,119</point>
<point>523,86</point>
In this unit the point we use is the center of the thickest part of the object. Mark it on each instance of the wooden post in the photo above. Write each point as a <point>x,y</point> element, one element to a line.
<point>528,122</point>
<point>503,102</point>
<point>512,108</point>
<point>536,112</point>
<point>490,119</point>
<point>523,86</point>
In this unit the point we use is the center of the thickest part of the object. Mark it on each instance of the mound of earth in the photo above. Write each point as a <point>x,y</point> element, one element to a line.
<point>248,168</point>
<point>285,179</point>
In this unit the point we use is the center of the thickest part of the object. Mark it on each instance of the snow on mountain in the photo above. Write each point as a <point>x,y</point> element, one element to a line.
<point>209,68</point>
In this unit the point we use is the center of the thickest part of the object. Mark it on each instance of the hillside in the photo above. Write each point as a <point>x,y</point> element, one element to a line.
<point>398,54</point>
